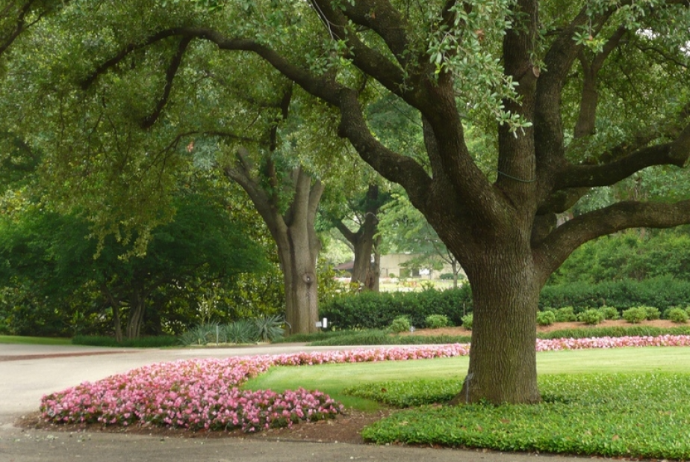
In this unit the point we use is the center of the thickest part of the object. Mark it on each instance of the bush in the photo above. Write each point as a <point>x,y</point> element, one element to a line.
<point>467,321</point>
<point>591,316</point>
<point>565,314</point>
<point>609,312</point>
<point>677,315</point>
<point>652,313</point>
<point>373,310</point>
<point>635,315</point>
<point>446,276</point>
<point>436,321</point>
<point>546,318</point>
<point>400,324</point>
<point>662,292</point>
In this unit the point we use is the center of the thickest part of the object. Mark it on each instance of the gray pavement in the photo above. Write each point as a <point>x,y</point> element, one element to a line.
<point>26,375</point>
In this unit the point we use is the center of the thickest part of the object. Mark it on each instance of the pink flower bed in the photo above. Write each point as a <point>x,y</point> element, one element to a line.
<point>204,394</point>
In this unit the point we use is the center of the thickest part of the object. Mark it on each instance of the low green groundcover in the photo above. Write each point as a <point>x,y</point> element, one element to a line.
<point>631,415</point>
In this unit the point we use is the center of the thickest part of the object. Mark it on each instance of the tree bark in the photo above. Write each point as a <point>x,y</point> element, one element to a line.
<point>295,235</point>
<point>364,271</point>
<point>136,315</point>
<point>505,294</point>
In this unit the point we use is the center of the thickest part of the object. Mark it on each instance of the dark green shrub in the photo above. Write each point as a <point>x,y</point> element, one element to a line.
<point>565,314</point>
<point>677,315</point>
<point>447,276</point>
<point>609,312</point>
<point>400,324</point>
<point>635,315</point>
<point>591,316</point>
<point>436,321</point>
<point>652,312</point>
<point>546,318</point>
<point>373,310</point>
<point>661,292</point>
<point>467,321</point>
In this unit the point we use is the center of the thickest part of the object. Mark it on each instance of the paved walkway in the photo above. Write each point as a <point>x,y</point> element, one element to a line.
<point>27,372</point>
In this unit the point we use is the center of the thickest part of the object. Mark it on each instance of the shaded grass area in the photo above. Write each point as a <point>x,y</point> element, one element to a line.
<point>623,414</point>
<point>144,342</point>
<point>17,339</point>
<point>332,379</point>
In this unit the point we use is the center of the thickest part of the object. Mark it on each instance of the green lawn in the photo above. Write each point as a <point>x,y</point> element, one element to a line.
<point>334,378</point>
<point>629,402</point>
<point>16,339</point>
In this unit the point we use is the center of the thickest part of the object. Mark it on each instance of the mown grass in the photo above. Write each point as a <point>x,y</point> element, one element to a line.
<point>630,402</point>
<point>143,342</point>
<point>17,339</point>
<point>335,378</point>
<point>642,415</point>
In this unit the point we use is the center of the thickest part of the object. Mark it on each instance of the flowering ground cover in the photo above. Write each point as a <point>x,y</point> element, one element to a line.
<point>205,394</point>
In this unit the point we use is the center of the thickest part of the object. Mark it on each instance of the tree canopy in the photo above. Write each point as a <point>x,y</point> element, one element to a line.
<point>571,97</point>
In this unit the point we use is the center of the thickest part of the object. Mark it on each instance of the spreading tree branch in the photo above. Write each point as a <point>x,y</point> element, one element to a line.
<point>554,249</point>
<point>169,77</point>
<point>674,153</point>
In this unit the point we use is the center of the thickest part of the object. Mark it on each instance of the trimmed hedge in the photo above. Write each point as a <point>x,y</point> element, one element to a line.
<point>372,310</point>
<point>661,292</point>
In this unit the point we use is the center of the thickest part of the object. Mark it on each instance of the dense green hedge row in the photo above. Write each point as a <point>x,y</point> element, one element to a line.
<point>370,310</point>
<point>661,292</point>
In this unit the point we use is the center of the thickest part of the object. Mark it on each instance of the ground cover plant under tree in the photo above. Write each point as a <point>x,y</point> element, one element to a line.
<point>549,80</point>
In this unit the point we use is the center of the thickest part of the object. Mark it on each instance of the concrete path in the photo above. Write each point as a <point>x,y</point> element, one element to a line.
<point>27,372</point>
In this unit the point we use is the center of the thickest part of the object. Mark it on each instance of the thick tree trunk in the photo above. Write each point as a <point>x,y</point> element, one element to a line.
<point>505,293</point>
<point>301,288</point>
<point>117,323</point>
<point>136,316</point>
<point>363,245</point>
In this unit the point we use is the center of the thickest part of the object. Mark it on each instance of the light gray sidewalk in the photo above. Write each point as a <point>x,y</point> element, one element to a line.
<point>24,381</point>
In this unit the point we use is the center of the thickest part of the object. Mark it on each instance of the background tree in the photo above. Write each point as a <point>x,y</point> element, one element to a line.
<point>54,258</point>
<point>548,79</point>
<point>405,230</point>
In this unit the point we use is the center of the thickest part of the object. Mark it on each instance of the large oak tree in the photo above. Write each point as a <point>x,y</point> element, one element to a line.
<point>578,95</point>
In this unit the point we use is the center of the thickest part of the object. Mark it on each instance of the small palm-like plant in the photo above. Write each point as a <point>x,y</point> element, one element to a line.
<point>269,328</point>
<point>242,331</point>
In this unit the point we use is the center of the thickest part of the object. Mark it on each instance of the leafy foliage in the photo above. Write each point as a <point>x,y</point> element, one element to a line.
<point>660,292</point>
<point>631,255</point>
